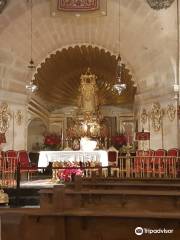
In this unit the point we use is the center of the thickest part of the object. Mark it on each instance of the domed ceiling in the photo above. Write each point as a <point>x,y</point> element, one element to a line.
<point>59,77</point>
<point>148,42</point>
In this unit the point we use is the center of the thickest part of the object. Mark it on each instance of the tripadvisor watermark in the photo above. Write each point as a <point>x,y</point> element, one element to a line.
<point>140,231</point>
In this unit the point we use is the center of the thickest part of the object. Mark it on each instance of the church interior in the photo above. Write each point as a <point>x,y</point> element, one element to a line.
<point>88,148</point>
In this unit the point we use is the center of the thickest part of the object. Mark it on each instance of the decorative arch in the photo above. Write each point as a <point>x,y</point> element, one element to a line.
<point>35,130</point>
<point>59,74</point>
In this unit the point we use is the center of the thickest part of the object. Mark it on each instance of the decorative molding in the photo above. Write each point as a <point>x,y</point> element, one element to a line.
<point>19,117</point>
<point>4,118</point>
<point>160,4</point>
<point>171,112</point>
<point>144,116</point>
<point>78,8</point>
<point>156,116</point>
<point>81,5</point>
<point>86,44</point>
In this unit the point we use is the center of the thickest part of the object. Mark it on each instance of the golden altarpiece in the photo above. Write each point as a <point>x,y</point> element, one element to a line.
<point>89,121</point>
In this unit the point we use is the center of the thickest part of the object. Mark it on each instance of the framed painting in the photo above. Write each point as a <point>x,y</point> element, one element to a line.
<point>78,7</point>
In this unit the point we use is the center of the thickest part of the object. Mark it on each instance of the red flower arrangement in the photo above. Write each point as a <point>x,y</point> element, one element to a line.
<point>119,140</point>
<point>67,174</point>
<point>52,141</point>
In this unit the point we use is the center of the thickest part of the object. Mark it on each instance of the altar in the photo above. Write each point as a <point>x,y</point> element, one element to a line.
<point>52,156</point>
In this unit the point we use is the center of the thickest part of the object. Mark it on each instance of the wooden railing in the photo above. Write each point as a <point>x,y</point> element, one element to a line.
<point>128,167</point>
<point>133,167</point>
<point>149,167</point>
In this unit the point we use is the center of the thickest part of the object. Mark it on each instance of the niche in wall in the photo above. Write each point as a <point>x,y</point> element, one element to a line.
<point>35,138</point>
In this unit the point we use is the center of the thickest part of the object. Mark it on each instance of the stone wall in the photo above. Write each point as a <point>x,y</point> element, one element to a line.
<point>16,135</point>
<point>166,136</point>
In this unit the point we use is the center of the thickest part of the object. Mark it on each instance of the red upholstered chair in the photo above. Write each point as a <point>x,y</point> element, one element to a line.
<point>3,168</point>
<point>172,162</point>
<point>2,156</point>
<point>2,164</point>
<point>159,163</point>
<point>148,162</point>
<point>25,165</point>
<point>138,164</point>
<point>3,161</point>
<point>11,158</point>
<point>113,160</point>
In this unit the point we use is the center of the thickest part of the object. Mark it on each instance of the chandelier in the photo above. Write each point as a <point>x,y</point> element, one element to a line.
<point>119,86</point>
<point>32,86</point>
<point>160,4</point>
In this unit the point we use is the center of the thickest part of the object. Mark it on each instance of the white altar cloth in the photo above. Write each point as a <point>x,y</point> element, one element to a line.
<point>51,156</point>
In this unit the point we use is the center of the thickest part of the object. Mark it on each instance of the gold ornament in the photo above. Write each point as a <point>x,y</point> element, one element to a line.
<point>88,92</point>
<point>156,116</point>
<point>4,118</point>
<point>3,197</point>
<point>171,112</point>
<point>19,117</point>
<point>144,116</point>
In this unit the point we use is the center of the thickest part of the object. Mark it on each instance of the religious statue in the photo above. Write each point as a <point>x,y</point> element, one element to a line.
<point>88,120</point>
<point>88,100</point>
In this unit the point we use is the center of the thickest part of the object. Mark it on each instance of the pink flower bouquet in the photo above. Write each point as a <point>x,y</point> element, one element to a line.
<point>66,175</point>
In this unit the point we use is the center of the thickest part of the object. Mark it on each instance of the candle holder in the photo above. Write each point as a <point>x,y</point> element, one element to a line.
<point>4,199</point>
<point>106,142</point>
<point>128,160</point>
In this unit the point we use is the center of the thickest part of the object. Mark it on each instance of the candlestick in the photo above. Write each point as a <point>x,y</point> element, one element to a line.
<point>62,139</point>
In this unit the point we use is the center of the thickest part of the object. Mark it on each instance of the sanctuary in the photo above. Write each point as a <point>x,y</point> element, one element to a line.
<point>89,119</point>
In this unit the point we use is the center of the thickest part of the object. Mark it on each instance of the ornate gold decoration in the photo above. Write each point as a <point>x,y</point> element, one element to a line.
<point>3,197</point>
<point>156,116</point>
<point>87,122</point>
<point>144,116</point>
<point>88,92</point>
<point>55,170</point>
<point>19,117</point>
<point>4,118</point>
<point>171,112</point>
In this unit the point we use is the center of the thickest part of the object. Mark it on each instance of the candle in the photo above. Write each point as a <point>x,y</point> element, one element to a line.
<point>128,139</point>
<point>62,138</point>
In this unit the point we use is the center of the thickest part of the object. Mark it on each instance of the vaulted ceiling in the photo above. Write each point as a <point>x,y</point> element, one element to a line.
<point>147,42</point>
